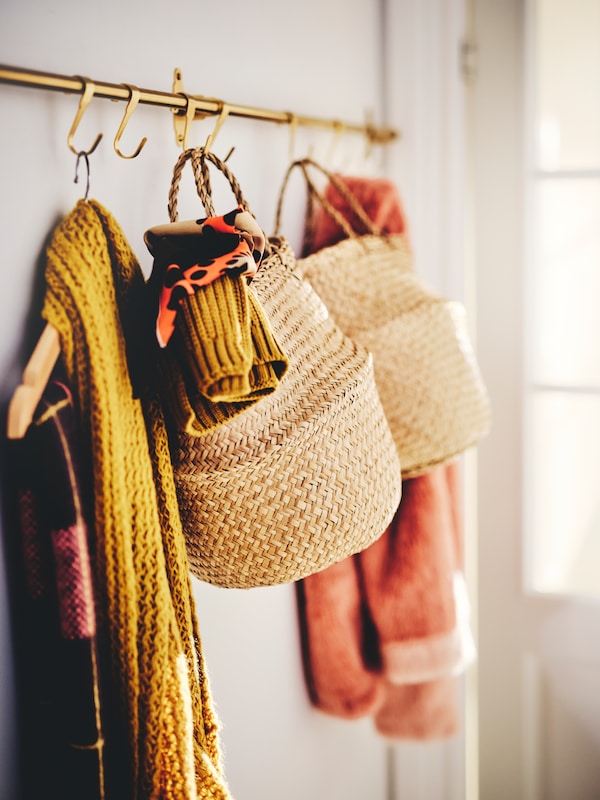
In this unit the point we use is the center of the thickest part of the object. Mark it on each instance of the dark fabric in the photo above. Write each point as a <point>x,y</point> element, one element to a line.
<point>61,727</point>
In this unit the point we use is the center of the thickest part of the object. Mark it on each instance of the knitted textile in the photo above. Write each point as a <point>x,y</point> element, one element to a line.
<point>214,339</point>
<point>60,711</point>
<point>146,612</point>
<point>191,410</point>
<point>222,355</point>
<point>194,253</point>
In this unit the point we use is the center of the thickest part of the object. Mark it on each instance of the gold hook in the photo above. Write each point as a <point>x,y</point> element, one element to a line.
<point>182,121</point>
<point>224,109</point>
<point>86,96</point>
<point>134,98</point>
<point>83,155</point>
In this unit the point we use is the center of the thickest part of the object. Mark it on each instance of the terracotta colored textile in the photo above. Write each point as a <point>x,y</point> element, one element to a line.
<point>419,711</point>
<point>385,632</point>
<point>338,639</point>
<point>413,585</point>
<point>378,196</point>
<point>417,596</point>
<point>62,745</point>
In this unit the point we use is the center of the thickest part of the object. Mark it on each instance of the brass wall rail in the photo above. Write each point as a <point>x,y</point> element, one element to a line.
<point>179,102</point>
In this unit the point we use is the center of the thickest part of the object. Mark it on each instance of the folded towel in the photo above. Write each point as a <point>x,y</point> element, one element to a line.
<point>338,640</point>
<point>413,583</point>
<point>419,711</point>
<point>383,632</point>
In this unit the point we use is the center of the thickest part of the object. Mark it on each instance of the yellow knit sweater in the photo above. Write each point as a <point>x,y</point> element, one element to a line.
<point>145,602</point>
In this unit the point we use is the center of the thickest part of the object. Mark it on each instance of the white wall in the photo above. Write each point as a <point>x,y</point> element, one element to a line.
<point>425,98</point>
<point>316,58</point>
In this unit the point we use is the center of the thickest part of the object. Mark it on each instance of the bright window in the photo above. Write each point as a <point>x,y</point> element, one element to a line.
<point>562,491</point>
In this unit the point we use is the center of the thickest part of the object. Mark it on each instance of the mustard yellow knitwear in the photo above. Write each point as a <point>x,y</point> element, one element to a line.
<point>145,602</point>
<point>192,411</point>
<point>213,338</point>
<point>226,343</point>
<point>269,362</point>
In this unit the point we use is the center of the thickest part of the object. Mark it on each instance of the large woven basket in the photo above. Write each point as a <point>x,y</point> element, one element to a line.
<point>426,372</point>
<point>306,476</point>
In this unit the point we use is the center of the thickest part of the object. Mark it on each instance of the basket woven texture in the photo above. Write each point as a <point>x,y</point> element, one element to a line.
<point>309,474</point>
<point>426,372</point>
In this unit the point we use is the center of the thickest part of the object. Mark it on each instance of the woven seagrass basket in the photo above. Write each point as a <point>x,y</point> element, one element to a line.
<point>426,372</point>
<point>309,474</point>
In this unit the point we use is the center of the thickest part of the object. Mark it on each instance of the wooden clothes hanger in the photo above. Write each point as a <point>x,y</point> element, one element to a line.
<point>35,378</point>
<point>38,369</point>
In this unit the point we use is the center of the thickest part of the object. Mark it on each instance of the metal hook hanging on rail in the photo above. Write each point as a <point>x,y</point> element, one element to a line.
<point>134,98</point>
<point>182,122</point>
<point>183,107</point>
<point>223,114</point>
<point>86,97</point>
<point>85,156</point>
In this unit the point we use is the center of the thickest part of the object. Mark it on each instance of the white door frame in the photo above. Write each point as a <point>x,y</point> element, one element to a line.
<point>538,654</point>
<point>425,99</point>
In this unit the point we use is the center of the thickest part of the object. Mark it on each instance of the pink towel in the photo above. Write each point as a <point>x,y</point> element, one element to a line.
<point>416,594</point>
<point>419,711</point>
<point>384,632</point>
<point>339,647</point>
<point>413,584</point>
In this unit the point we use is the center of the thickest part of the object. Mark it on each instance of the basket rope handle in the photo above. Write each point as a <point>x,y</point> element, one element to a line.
<point>303,164</point>
<point>199,158</point>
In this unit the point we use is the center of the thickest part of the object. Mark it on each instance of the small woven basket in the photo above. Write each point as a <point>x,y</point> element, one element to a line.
<point>308,475</point>
<point>426,372</point>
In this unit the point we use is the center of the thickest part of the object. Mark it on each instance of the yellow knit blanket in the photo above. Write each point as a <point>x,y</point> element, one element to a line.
<point>144,594</point>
